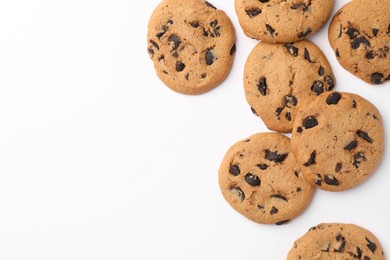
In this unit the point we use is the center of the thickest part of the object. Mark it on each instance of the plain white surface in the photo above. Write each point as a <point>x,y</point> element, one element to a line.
<point>99,160</point>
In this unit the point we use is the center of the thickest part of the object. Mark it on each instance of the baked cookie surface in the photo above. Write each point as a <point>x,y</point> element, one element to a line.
<point>333,241</point>
<point>360,36</point>
<point>338,140</point>
<point>282,20</point>
<point>281,78</point>
<point>259,178</point>
<point>192,45</point>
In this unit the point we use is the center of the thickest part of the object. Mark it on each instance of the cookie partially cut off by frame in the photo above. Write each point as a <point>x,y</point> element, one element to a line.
<point>192,45</point>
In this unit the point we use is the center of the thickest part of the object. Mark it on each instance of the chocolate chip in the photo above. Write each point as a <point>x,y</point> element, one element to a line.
<point>210,57</point>
<point>307,56</point>
<point>282,222</point>
<point>337,53</point>
<point>264,1</point>
<point>216,28</point>
<point>342,239</point>
<point>318,87</point>
<point>270,29</point>
<point>252,180</point>
<point>262,86</point>
<point>296,6</point>
<point>150,51</point>
<point>288,116</point>
<point>299,129</point>
<point>309,122</point>
<point>364,135</point>
<point>340,31</point>
<point>370,55</point>
<point>238,192</point>
<point>377,78</point>
<point>312,159</point>
<point>204,75</point>
<point>260,207</point>
<point>371,245</point>
<point>160,34</point>
<point>155,45</point>
<point>205,33</point>
<point>358,41</point>
<point>253,12</point>
<point>262,166</point>
<point>299,189</point>
<point>187,76</point>
<point>180,66</point>
<point>254,111</point>
<point>388,30</point>
<point>195,24</point>
<point>292,49</point>
<point>331,180</point>
<point>358,254</point>
<point>333,98</point>
<point>279,111</point>
<point>235,170</point>
<point>329,80</point>
<point>375,31</point>
<point>210,5</point>
<point>169,22</point>
<point>353,104</point>
<point>274,156</point>
<point>321,71</point>
<point>274,210</point>
<point>278,196</point>
<point>338,167</point>
<point>176,41</point>
<point>367,258</point>
<point>358,158</point>
<point>290,101</point>
<point>233,49</point>
<point>352,145</point>
<point>352,33</point>
<point>318,181</point>
<point>304,34</point>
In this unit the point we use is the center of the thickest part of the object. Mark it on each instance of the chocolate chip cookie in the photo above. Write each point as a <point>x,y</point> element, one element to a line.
<point>281,78</point>
<point>260,178</point>
<point>360,36</point>
<point>337,241</point>
<point>338,140</point>
<point>192,45</point>
<point>282,21</point>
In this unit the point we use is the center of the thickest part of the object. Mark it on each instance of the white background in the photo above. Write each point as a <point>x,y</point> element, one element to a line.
<point>99,160</point>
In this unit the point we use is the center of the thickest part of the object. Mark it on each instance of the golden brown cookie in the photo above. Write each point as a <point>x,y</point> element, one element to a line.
<point>192,45</point>
<point>338,140</point>
<point>281,78</point>
<point>360,36</point>
<point>331,241</point>
<point>282,21</point>
<point>259,178</point>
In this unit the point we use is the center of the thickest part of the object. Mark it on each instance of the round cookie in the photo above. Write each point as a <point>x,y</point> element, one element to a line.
<point>192,45</point>
<point>282,21</point>
<point>338,140</point>
<point>360,36</point>
<point>281,78</point>
<point>260,179</point>
<point>332,241</point>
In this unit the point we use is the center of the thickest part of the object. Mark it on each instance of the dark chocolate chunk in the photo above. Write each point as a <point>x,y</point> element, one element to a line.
<point>370,55</point>
<point>299,129</point>
<point>333,99</point>
<point>205,33</point>
<point>312,159</point>
<point>318,87</point>
<point>262,166</point>
<point>288,116</point>
<point>254,111</point>
<point>299,189</point>
<point>210,58</point>
<point>253,12</point>
<point>150,51</point>
<point>204,75</point>
<point>375,31</point>
<point>278,196</point>
<point>238,192</point>
<point>358,254</point>
<point>364,135</point>
<point>329,80</point>
<point>252,180</point>
<point>290,101</point>
<point>341,239</point>
<point>155,45</point>
<point>304,34</point>
<point>377,78</point>
<point>358,41</point>
<point>187,76</point>
<point>270,29</point>
<point>337,53</point>
<point>210,5</point>
<point>216,28</point>
<point>233,49</point>
<point>274,210</point>
<point>318,181</point>
<point>176,41</point>
<point>282,222</point>
<point>353,104</point>
<point>292,49</point>
<point>352,145</point>
<point>321,71</point>
<point>331,180</point>
<point>352,33</point>
<point>235,170</point>
<point>371,245</point>
<point>279,111</point>
<point>195,24</point>
<point>309,122</point>
<point>338,167</point>
<point>358,158</point>
<point>264,1</point>
<point>307,56</point>
<point>274,156</point>
<point>262,86</point>
<point>180,66</point>
<point>160,34</point>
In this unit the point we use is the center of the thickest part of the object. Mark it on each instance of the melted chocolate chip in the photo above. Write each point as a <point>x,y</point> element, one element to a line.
<point>309,122</point>
<point>262,166</point>
<point>371,245</point>
<point>262,86</point>
<point>377,78</point>
<point>274,210</point>
<point>292,49</point>
<point>333,99</point>
<point>278,196</point>
<point>235,170</point>
<point>252,180</point>
<point>274,156</point>
<point>364,135</point>
<point>359,41</point>
<point>233,49</point>
<point>321,71</point>
<point>312,159</point>
<point>331,180</point>
<point>180,66</point>
<point>238,192</point>
<point>352,33</point>
<point>318,87</point>
<point>338,167</point>
<point>210,57</point>
<point>290,101</point>
<point>304,34</point>
<point>352,145</point>
<point>282,222</point>
<point>253,12</point>
<point>270,29</point>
